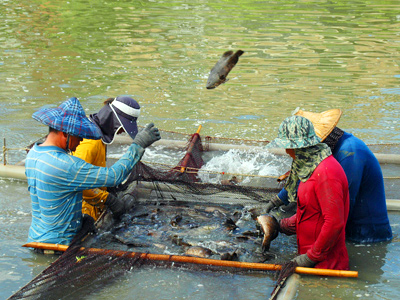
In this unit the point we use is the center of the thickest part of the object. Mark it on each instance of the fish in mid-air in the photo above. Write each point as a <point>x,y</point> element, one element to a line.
<point>270,227</point>
<point>222,68</point>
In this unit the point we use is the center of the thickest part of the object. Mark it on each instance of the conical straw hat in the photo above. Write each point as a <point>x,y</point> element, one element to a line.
<point>323,122</point>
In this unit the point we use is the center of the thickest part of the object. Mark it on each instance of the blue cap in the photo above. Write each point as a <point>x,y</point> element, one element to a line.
<point>127,111</point>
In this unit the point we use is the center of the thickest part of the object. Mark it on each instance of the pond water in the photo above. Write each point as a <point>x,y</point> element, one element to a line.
<point>315,55</point>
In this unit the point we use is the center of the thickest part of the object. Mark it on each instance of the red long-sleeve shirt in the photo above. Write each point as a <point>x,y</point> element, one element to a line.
<point>320,220</point>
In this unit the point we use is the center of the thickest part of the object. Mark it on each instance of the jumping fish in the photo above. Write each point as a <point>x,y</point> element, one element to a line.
<point>270,228</point>
<point>222,68</point>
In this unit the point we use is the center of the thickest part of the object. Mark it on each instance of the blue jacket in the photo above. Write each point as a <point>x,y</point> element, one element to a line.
<point>55,183</point>
<point>368,220</point>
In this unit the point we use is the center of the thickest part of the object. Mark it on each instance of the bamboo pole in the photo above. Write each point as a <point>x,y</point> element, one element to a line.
<point>12,171</point>
<point>393,204</point>
<point>199,260</point>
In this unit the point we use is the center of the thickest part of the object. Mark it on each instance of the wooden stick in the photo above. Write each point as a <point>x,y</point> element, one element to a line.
<point>199,260</point>
<point>186,158</point>
<point>198,129</point>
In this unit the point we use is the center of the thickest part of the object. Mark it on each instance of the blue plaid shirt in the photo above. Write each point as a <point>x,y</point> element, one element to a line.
<point>56,181</point>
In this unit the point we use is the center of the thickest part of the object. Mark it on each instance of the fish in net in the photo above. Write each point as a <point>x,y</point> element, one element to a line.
<point>172,213</point>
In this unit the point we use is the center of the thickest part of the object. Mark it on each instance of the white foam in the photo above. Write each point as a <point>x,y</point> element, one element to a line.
<point>235,161</point>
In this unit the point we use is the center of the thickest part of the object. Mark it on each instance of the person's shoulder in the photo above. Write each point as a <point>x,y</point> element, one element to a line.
<point>88,146</point>
<point>91,143</point>
<point>330,169</point>
<point>329,164</point>
<point>349,139</point>
<point>38,150</point>
<point>330,160</point>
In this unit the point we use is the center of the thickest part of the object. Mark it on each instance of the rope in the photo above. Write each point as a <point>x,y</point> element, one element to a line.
<point>5,151</point>
<point>384,144</point>
<point>259,141</point>
<point>208,139</point>
<point>16,149</point>
<point>192,170</point>
<point>236,139</point>
<point>216,138</point>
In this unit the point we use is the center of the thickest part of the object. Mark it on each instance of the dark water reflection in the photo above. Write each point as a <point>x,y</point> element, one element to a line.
<point>313,54</point>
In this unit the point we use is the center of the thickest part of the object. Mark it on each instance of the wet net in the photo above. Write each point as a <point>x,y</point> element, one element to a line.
<point>172,213</point>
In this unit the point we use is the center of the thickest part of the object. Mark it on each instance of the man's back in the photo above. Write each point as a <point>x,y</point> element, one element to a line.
<point>368,219</point>
<point>56,207</point>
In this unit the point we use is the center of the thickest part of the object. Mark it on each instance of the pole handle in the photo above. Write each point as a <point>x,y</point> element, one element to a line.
<point>199,260</point>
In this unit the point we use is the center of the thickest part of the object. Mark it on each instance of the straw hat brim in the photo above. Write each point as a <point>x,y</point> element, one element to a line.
<point>323,122</point>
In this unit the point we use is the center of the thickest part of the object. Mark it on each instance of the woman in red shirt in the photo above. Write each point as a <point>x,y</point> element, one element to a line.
<point>322,197</point>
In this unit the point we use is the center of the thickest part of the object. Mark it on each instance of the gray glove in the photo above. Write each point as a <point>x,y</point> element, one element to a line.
<point>304,261</point>
<point>129,201</point>
<point>116,205</point>
<point>147,136</point>
<point>275,202</point>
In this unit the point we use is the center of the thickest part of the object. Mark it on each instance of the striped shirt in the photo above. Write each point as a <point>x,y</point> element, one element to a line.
<point>55,183</point>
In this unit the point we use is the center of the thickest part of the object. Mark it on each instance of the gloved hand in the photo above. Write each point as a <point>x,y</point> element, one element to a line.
<point>147,136</point>
<point>88,224</point>
<point>304,261</point>
<point>269,207</point>
<point>129,201</point>
<point>287,227</point>
<point>273,203</point>
<point>116,205</point>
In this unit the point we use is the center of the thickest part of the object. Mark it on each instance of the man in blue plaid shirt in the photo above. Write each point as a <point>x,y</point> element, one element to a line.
<point>56,179</point>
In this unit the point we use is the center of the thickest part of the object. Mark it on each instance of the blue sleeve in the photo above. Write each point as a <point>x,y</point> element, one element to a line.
<point>283,195</point>
<point>83,176</point>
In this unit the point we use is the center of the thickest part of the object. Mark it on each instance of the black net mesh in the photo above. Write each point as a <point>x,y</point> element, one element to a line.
<point>172,212</point>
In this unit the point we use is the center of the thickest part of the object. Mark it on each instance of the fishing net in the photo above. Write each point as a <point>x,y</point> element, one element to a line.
<point>173,213</point>
<point>287,270</point>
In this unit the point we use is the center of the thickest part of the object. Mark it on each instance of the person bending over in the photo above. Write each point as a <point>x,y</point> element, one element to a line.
<point>57,179</point>
<point>118,115</point>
